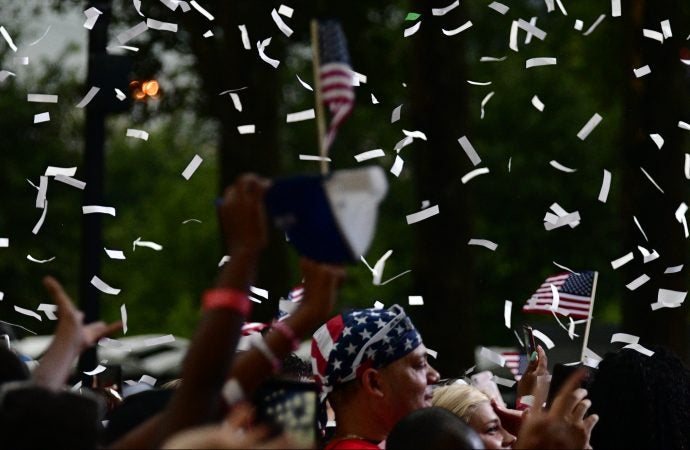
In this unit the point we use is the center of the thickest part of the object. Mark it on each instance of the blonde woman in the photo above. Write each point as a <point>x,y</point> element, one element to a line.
<point>474,408</point>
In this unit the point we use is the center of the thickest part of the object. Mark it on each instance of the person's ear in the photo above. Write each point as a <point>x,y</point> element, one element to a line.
<point>371,382</point>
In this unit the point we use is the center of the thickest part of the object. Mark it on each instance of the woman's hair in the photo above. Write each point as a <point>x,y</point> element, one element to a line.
<point>460,399</point>
<point>642,401</point>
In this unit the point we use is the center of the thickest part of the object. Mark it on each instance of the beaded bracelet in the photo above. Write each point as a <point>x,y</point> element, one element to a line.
<point>227,299</point>
<point>258,342</point>
<point>284,329</point>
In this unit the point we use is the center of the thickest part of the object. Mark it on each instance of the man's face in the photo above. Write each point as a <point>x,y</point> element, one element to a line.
<point>406,383</point>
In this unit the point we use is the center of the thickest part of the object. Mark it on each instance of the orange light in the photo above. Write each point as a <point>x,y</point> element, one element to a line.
<point>139,95</point>
<point>150,88</point>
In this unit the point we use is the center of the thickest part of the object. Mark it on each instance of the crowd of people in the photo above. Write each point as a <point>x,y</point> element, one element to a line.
<point>372,384</point>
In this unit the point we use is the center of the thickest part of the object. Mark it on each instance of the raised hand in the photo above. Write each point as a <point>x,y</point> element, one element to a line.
<point>538,367</point>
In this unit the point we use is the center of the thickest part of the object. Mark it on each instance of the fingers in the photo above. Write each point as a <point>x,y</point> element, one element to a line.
<point>590,421</point>
<point>581,409</point>
<point>542,361</point>
<point>57,293</point>
<point>569,394</point>
<point>240,416</point>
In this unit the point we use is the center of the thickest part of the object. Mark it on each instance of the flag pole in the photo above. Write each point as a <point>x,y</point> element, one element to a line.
<point>585,340</point>
<point>320,118</point>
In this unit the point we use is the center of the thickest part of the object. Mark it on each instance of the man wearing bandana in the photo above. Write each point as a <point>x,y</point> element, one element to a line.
<point>371,365</point>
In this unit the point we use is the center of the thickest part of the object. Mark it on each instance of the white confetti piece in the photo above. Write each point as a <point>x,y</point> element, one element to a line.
<point>286,11</point>
<point>686,168</point>
<point>646,255</point>
<point>550,6</point>
<point>446,9</point>
<point>642,71</point>
<point>469,150</point>
<point>371,154</point>
<point>8,38</point>
<point>246,129</point>
<point>625,338</point>
<point>651,180</point>
<point>42,117</point>
<point>652,34</point>
<point>123,317</point>
<point>96,371</point>
<point>616,263</point>
<point>114,254</point>
<point>412,30</point>
<point>28,312</point>
<point>415,134</point>
<point>301,115</point>
<point>503,381</point>
<point>637,282</point>
<point>479,83</point>
<point>49,310</point>
<point>578,25</point>
<point>208,34</point>
<point>201,10</point>
<point>415,300</point>
<point>485,100</point>
<point>4,74</point>
<point>432,353</point>
<point>564,268</point>
<point>191,167</point>
<point>474,173</point>
<point>397,166</point>
<point>683,125</point>
<point>673,269</point>
<point>147,379</point>
<point>537,103</point>
<point>70,181</point>
<point>39,261</point>
<point>159,340</point>
<point>492,356</point>
<point>41,38</point>
<point>96,209</point>
<point>137,6</point>
<point>374,101</point>
<point>666,29</point>
<point>571,219</point>
<point>379,305</point>
<point>615,8</point>
<point>88,97</point>
<point>306,86</point>
<point>556,298</point>
<point>22,60</point>
<point>236,101</point>
<point>379,267</point>
<point>605,187</point>
<point>589,126</point>
<point>457,30</point>
<point>52,171</point>
<point>39,224</point>
<point>556,165</point>
<point>640,349</point>
<point>4,242</point>
<point>536,62</point>
<point>245,37</point>
<point>483,243</point>
<point>407,140</point>
<point>103,286</point>
<point>149,244</point>
<point>513,38</point>
<point>499,7</point>
<point>395,115</point>
<point>258,291</point>
<point>532,29</point>
<point>261,46</point>
<point>492,59</point>
<point>422,215</point>
<point>120,95</point>
<point>223,260</point>
<point>658,140</point>
<point>42,190</point>
<point>139,134</point>
<point>42,98</point>
<point>594,25</point>
<point>161,26</point>
<point>133,32</point>
<point>282,26</point>
<point>544,338</point>
<point>507,311</point>
<point>314,158</point>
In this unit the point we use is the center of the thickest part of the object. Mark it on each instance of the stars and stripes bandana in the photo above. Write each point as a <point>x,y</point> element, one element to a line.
<point>351,342</point>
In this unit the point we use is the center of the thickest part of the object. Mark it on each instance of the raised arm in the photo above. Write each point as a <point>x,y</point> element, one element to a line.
<point>321,282</point>
<point>71,338</point>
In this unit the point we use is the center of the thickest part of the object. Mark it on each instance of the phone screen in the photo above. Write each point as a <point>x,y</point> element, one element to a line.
<point>290,407</point>
<point>560,374</point>
<point>530,345</point>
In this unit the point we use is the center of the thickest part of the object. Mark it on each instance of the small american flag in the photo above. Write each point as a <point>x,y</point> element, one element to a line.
<point>336,76</point>
<point>513,360</point>
<point>574,293</point>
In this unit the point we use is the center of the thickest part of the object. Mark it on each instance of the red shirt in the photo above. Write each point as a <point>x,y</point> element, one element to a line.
<point>351,444</point>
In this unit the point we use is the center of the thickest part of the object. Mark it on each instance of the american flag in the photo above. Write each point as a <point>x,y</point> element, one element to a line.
<point>513,358</point>
<point>336,76</point>
<point>574,293</point>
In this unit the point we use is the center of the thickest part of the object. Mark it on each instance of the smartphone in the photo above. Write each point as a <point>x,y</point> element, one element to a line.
<point>289,407</point>
<point>560,374</point>
<point>530,345</point>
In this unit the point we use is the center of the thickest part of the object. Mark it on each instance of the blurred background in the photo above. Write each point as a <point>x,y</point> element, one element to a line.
<point>176,86</point>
